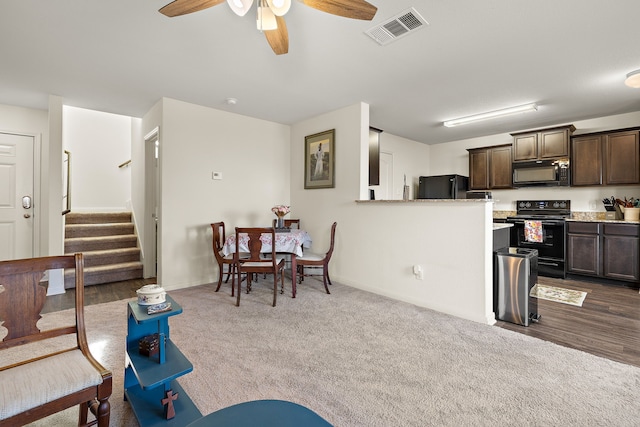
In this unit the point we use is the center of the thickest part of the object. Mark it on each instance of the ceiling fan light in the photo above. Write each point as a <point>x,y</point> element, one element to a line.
<point>266,20</point>
<point>279,7</point>
<point>633,79</point>
<point>240,7</point>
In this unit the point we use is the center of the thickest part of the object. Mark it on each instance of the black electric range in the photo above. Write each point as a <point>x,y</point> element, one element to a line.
<point>550,216</point>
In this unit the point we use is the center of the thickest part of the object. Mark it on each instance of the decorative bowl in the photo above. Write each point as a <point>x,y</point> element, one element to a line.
<point>151,294</point>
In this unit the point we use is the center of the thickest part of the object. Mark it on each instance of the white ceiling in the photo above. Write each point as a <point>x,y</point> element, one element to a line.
<point>122,56</point>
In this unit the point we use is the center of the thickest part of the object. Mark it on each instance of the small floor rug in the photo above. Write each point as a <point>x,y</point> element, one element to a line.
<point>565,296</point>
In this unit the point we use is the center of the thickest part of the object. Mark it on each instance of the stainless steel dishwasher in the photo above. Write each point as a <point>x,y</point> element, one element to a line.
<point>515,273</point>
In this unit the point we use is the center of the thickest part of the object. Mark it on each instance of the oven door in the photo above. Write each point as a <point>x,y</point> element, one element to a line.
<point>551,250</point>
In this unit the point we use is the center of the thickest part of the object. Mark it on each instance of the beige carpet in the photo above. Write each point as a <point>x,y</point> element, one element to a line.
<point>359,359</point>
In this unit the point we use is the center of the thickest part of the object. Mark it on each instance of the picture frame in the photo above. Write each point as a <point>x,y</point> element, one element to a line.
<point>319,146</point>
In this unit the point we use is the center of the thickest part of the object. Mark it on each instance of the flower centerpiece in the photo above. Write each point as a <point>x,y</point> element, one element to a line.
<point>280,211</point>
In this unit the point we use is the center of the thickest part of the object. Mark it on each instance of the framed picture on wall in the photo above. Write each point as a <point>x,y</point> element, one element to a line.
<point>319,160</point>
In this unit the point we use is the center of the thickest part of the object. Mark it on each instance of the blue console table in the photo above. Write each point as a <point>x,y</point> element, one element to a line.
<point>147,379</point>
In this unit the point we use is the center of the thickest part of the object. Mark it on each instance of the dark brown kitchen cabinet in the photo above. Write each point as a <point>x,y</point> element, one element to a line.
<point>583,248</point>
<point>610,158</point>
<point>586,160</point>
<point>620,252</point>
<point>490,167</point>
<point>622,158</point>
<point>542,143</point>
<point>608,250</point>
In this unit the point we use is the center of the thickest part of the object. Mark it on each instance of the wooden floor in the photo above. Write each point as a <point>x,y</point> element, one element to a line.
<point>607,324</point>
<point>96,294</point>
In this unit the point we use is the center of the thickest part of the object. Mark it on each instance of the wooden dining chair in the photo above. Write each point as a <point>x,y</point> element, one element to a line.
<point>290,223</point>
<point>225,262</point>
<point>314,261</point>
<point>255,263</point>
<point>46,375</point>
<point>293,224</point>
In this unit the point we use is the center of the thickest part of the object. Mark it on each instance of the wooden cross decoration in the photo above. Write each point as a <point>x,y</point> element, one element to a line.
<point>169,410</point>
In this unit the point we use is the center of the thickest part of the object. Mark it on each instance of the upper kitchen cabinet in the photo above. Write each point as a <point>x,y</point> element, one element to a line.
<point>542,143</point>
<point>490,167</point>
<point>586,160</point>
<point>621,158</point>
<point>608,158</point>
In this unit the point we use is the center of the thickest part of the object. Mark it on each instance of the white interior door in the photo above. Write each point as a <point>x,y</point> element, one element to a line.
<point>16,196</point>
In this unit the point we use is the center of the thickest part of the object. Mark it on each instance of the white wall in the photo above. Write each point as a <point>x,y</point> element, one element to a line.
<point>252,156</point>
<point>452,157</point>
<point>378,243</point>
<point>98,143</point>
<point>410,158</point>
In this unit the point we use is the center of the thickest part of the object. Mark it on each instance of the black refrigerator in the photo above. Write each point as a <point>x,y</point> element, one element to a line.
<point>443,187</point>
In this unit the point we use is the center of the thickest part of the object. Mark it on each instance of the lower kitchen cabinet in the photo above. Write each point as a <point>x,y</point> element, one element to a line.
<point>583,248</point>
<point>608,250</point>
<point>620,248</point>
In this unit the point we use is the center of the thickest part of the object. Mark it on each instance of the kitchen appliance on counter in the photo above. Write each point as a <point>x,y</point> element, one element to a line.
<point>535,173</point>
<point>541,225</point>
<point>443,187</point>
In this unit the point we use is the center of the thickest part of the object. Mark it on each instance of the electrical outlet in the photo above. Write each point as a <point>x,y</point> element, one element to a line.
<point>417,272</point>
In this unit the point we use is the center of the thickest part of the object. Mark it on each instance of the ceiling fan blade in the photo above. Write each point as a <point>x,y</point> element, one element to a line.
<point>355,9</point>
<point>182,7</point>
<point>279,38</point>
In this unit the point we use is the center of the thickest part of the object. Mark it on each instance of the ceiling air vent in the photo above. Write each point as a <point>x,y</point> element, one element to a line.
<point>399,26</point>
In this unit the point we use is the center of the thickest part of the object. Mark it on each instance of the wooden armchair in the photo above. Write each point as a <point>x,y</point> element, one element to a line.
<point>39,373</point>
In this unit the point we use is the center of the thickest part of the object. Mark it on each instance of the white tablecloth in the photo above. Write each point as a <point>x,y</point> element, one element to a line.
<point>291,242</point>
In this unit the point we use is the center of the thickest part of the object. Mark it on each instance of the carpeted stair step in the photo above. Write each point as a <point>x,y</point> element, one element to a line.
<point>107,274</point>
<point>111,256</point>
<point>93,230</point>
<point>84,244</point>
<point>109,243</point>
<point>97,217</point>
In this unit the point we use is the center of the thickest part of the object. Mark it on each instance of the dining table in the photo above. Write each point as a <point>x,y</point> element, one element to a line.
<point>292,242</point>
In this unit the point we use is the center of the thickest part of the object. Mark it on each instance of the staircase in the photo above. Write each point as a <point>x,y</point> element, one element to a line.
<point>109,244</point>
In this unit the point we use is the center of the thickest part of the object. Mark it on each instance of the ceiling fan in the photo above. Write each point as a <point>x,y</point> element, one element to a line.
<point>270,14</point>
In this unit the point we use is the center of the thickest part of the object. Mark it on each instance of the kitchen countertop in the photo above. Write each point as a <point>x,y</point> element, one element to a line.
<point>575,216</point>
<point>501,225</point>
<point>608,221</point>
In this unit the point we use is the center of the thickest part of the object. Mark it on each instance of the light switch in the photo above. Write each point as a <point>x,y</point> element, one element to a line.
<point>216,175</point>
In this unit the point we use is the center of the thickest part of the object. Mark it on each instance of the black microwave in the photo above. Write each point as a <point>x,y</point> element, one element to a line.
<point>552,172</point>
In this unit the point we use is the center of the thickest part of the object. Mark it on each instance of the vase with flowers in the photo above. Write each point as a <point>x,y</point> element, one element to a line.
<point>280,211</point>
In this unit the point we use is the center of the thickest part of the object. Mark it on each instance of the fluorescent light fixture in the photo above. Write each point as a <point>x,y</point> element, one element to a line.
<point>491,115</point>
<point>633,79</point>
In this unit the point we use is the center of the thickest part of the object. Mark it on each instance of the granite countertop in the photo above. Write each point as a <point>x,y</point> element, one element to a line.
<point>501,225</point>
<point>427,201</point>
<point>575,216</point>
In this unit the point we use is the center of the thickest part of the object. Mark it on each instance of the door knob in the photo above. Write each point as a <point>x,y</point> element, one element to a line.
<point>27,216</point>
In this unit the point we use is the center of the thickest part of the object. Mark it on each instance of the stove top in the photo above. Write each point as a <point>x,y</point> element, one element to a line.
<point>547,209</point>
